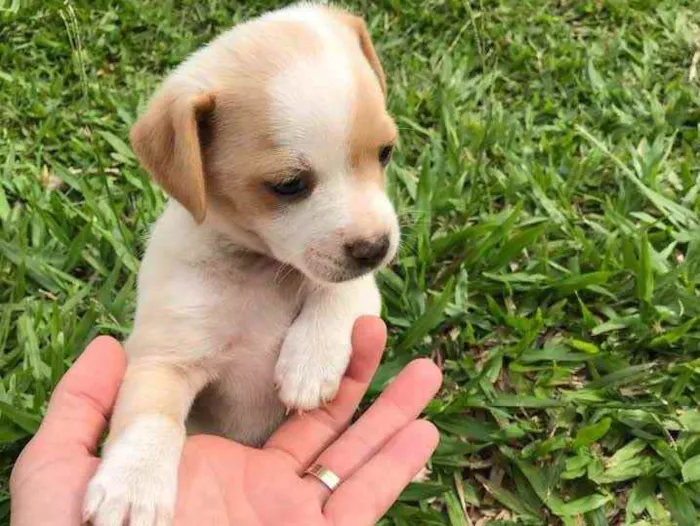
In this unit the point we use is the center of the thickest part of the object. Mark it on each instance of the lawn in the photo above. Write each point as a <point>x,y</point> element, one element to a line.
<point>548,179</point>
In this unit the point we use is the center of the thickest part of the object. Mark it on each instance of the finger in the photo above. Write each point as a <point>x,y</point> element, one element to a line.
<point>399,405</point>
<point>304,436</point>
<point>83,399</point>
<point>365,497</point>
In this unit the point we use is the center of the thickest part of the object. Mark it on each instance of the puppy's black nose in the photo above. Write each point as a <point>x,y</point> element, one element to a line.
<point>368,252</point>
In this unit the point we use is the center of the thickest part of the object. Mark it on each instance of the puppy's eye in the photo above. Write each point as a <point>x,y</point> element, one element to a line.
<point>385,154</point>
<point>292,187</point>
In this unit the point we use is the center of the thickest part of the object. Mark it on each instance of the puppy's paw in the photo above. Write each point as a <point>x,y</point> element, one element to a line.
<point>311,365</point>
<point>136,482</point>
<point>308,387</point>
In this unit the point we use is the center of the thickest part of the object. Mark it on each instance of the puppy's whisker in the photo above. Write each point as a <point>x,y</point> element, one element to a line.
<point>277,278</point>
<point>288,272</point>
<point>299,292</point>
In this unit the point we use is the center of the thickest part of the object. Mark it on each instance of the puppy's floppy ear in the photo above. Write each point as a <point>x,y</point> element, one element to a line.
<point>357,24</point>
<point>166,140</point>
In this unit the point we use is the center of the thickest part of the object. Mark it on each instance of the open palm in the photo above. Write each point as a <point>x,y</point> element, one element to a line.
<point>222,482</point>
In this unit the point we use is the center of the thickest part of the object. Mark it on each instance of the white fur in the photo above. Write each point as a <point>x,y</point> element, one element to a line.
<point>313,115</point>
<point>136,482</point>
<point>316,351</point>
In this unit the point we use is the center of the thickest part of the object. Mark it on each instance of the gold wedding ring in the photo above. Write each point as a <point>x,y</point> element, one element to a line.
<point>324,475</point>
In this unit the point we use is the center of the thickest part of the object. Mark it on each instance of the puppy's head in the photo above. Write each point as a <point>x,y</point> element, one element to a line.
<point>279,128</point>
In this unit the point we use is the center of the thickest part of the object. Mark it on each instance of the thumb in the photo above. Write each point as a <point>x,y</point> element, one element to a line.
<point>83,399</point>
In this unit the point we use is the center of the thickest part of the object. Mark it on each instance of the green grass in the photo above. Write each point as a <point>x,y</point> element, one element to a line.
<point>548,180</point>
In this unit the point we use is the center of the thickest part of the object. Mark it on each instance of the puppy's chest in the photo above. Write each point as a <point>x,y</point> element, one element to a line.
<point>252,305</point>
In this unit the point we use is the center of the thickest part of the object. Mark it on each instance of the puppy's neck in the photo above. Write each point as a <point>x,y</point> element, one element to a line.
<point>233,234</point>
<point>215,240</point>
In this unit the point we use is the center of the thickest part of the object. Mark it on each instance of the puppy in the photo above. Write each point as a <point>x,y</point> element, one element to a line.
<point>272,142</point>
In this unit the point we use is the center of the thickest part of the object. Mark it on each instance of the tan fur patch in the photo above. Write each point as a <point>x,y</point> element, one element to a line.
<point>240,146</point>
<point>359,29</point>
<point>167,143</point>
<point>243,153</point>
<point>371,127</point>
<point>155,389</point>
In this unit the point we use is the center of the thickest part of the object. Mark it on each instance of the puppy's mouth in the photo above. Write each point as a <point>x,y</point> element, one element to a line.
<point>327,268</point>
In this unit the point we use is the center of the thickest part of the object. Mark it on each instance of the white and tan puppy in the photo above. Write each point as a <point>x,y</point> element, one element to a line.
<point>272,141</point>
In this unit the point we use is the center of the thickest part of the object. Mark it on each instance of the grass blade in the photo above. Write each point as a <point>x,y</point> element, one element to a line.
<point>432,317</point>
<point>678,503</point>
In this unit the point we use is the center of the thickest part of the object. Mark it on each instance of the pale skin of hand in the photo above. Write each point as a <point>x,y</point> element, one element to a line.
<point>222,482</point>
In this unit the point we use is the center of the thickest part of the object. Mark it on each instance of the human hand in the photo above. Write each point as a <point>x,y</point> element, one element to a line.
<point>222,482</point>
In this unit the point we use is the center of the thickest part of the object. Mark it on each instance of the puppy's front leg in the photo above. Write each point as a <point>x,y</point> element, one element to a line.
<point>136,482</point>
<point>316,350</point>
